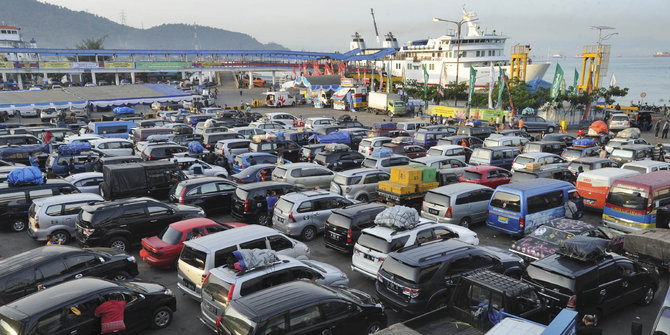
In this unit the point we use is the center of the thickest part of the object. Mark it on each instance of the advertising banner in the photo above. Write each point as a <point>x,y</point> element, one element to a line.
<point>461,113</point>
<point>6,65</point>
<point>119,65</point>
<point>85,65</point>
<point>55,65</point>
<point>162,65</point>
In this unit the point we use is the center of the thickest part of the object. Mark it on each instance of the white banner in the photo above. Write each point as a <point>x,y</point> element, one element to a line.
<point>85,65</point>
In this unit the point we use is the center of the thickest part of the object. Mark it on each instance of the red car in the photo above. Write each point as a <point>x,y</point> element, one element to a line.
<point>491,176</point>
<point>163,250</point>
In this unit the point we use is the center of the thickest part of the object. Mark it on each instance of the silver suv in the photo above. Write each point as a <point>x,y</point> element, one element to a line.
<point>304,175</point>
<point>385,163</point>
<point>304,213</point>
<point>224,284</point>
<point>56,215</point>
<point>358,184</point>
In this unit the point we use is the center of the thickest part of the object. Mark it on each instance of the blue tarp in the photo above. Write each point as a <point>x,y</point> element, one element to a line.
<point>335,137</point>
<point>383,152</point>
<point>24,149</point>
<point>74,148</point>
<point>28,175</point>
<point>123,110</point>
<point>195,147</point>
<point>536,83</point>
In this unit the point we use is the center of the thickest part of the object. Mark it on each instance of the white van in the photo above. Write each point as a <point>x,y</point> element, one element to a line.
<point>646,166</point>
<point>448,150</point>
<point>372,144</point>
<point>278,99</point>
<point>202,254</point>
<point>411,126</point>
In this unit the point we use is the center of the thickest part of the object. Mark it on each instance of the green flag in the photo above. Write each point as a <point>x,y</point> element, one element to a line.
<point>473,78</point>
<point>574,87</point>
<point>425,83</point>
<point>501,86</point>
<point>556,85</point>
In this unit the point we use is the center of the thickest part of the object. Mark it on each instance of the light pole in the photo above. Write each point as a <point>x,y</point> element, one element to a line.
<point>458,48</point>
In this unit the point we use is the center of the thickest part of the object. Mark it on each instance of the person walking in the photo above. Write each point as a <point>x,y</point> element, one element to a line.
<point>657,127</point>
<point>570,208</point>
<point>659,152</point>
<point>666,127</point>
<point>111,314</point>
<point>271,200</point>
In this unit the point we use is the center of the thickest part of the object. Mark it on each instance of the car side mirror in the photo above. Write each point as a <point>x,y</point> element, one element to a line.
<point>142,296</point>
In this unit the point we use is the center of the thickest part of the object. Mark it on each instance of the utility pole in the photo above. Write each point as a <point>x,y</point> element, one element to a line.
<point>123,17</point>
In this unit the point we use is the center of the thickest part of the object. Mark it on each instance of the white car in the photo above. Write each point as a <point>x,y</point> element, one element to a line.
<point>377,242</point>
<point>185,164</point>
<point>372,144</point>
<point>210,111</point>
<point>443,164</point>
<point>80,138</point>
<point>317,123</point>
<point>269,126</point>
<point>86,182</point>
<point>543,158</point>
<point>283,118</point>
<point>49,113</point>
<point>114,146</point>
<point>28,113</point>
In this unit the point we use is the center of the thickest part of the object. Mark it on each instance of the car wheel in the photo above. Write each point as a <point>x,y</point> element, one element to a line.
<point>19,225</point>
<point>118,243</point>
<point>374,327</point>
<point>524,129</point>
<point>363,198</point>
<point>648,297</point>
<point>550,130</point>
<point>61,235</point>
<point>264,220</point>
<point>120,276</point>
<point>466,222</point>
<point>161,318</point>
<point>309,233</point>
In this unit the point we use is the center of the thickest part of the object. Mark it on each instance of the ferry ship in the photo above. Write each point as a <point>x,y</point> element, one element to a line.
<point>662,54</point>
<point>10,37</point>
<point>478,49</point>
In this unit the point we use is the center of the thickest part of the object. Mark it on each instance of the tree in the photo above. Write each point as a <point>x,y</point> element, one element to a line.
<point>91,43</point>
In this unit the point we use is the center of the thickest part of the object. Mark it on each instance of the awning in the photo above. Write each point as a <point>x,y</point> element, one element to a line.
<point>315,83</point>
<point>341,94</point>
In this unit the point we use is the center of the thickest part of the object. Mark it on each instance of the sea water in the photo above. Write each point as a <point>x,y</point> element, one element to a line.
<point>650,75</point>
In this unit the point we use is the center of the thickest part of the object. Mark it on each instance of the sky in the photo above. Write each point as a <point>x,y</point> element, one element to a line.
<point>558,26</point>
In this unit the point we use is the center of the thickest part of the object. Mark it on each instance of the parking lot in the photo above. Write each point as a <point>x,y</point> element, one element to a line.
<point>186,318</point>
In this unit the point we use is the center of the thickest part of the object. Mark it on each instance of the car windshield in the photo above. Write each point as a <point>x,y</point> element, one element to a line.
<point>619,118</point>
<point>622,153</point>
<point>217,288</point>
<point>663,326</point>
<point>507,201</point>
<point>365,143</point>
<point>522,175</point>
<point>572,153</point>
<point>471,175</point>
<point>284,205</point>
<point>491,143</point>
<point>9,326</point>
<point>481,153</point>
<point>344,180</point>
<point>374,243</point>
<point>337,219</point>
<point>551,279</point>
<point>523,160</point>
<point>437,199</point>
<point>194,258</point>
<point>171,236</point>
<point>533,147</point>
<point>408,273</point>
<point>551,234</point>
<point>628,197</point>
<point>370,163</point>
<point>574,167</point>
<point>241,194</point>
<point>435,152</point>
<point>640,169</point>
<point>236,323</point>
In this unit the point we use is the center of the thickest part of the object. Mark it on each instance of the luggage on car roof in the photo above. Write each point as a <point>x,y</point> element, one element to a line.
<point>629,133</point>
<point>336,147</point>
<point>382,153</point>
<point>249,259</point>
<point>583,248</point>
<point>195,147</point>
<point>25,176</point>
<point>398,217</point>
<point>583,143</point>
<point>74,148</point>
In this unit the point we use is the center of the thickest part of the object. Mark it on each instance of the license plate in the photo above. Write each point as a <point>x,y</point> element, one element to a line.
<point>280,219</point>
<point>189,285</point>
<point>589,201</point>
<point>369,257</point>
<point>335,236</point>
<point>433,211</point>
<point>502,219</point>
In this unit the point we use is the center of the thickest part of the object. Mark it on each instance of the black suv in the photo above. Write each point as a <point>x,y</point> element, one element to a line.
<point>116,224</point>
<point>480,296</point>
<point>308,152</point>
<point>138,179</point>
<point>213,194</point>
<point>288,149</point>
<point>419,278</point>
<point>69,308</point>
<point>249,205</point>
<point>339,160</point>
<point>303,307</point>
<point>596,284</point>
<point>344,225</point>
<point>51,265</point>
<point>15,201</point>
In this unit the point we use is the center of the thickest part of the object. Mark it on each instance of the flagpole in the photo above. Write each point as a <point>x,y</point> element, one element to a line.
<point>491,74</point>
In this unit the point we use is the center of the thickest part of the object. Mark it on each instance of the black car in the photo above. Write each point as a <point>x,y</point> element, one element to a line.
<point>118,223</point>
<point>344,225</point>
<point>288,149</point>
<point>308,152</point>
<point>581,276</point>
<point>339,160</point>
<point>421,278</point>
<point>351,124</point>
<point>47,266</point>
<point>161,151</point>
<point>15,201</point>
<point>69,308</point>
<point>480,132</point>
<point>213,194</point>
<point>562,137</point>
<point>138,179</point>
<point>302,307</point>
<point>249,205</point>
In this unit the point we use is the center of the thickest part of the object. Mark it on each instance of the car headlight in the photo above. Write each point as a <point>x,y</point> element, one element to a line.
<point>168,292</point>
<point>201,212</point>
<point>131,259</point>
<point>343,275</point>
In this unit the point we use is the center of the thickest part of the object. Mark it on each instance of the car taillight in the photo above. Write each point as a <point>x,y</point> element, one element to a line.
<point>411,292</point>
<point>204,279</point>
<point>181,196</point>
<point>239,180</point>
<point>218,322</point>
<point>37,222</point>
<point>208,145</point>
<point>229,297</point>
<point>290,217</point>
<point>246,205</point>
<point>379,277</point>
<point>149,157</point>
<point>572,302</point>
<point>650,208</point>
<point>522,223</point>
<point>349,236</point>
<point>448,215</point>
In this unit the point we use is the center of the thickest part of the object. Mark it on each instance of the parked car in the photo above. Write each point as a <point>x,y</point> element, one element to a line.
<point>407,150</point>
<point>186,165</point>
<point>646,166</point>
<point>618,121</point>
<point>58,263</point>
<point>358,184</point>
<point>552,147</point>
<point>474,142</point>
<point>250,204</point>
<point>462,204</point>
<point>212,194</point>
<point>451,150</point>
<point>375,243</point>
<point>163,250</point>
<point>443,164</point>
<point>542,158</point>
<point>618,142</point>
<point>302,306</point>
<point>339,160</point>
<point>550,172</point>
<point>479,132</point>
<point>309,152</point>
<point>422,277</point>
<point>68,308</point>
<point>288,149</point>
<point>237,284</point>
<point>86,182</point>
<point>304,175</point>
<point>344,225</point>
<point>590,163</point>
<point>572,153</point>
<point>242,161</point>
<point>254,173</point>
<point>487,175</point>
<point>532,123</point>
<point>121,223</point>
<point>505,141</point>
<point>55,216</point>
<point>385,163</point>
<point>631,152</point>
<point>139,179</point>
<point>15,201</point>
<point>161,151</point>
<point>303,213</point>
<point>113,146</point>
<point>502,157</point>
<point>372,144</point>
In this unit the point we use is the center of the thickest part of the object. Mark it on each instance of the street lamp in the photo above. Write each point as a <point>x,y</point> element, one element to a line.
<point>458,48</point>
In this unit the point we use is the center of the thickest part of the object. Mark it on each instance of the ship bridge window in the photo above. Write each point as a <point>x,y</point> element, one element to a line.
<point>431,67</point>
<point>14,32</point>
<point>3,31</point>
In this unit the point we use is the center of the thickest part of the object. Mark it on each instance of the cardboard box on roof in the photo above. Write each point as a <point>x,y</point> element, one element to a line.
<point>395,188</point>
<point>426,186</point>
<point>396,173</point>
<point>534,166</point>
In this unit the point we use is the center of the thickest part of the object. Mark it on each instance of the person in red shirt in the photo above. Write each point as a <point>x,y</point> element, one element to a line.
<point>111,314</point>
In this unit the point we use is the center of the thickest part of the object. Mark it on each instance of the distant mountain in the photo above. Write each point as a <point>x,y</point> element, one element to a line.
<point>58,27</point>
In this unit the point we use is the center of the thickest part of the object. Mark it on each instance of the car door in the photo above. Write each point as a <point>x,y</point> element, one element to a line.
<point>342,317</point>
<point>209,197</point>
<point>226,191</point>
<point>307,320</point>
<point>80,317</point>
<point>480,204</point>
<point>83,264</point>
<point>51,273</point>
<point>321,211</point>
<point>610,287</point>
<point>20,283</point>
<point>158,217</point>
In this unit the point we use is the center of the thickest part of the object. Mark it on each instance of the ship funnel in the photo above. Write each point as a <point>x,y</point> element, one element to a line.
<point>357,42</point>
<point>391,42</point>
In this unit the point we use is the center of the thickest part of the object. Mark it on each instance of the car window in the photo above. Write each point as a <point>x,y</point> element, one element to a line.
<point>13,197</point>
<point>255,244</point>
<point>132,213</point>
<point>72,209</point>
<point>305,206</point>
<point>158,210</point>
<point>332,309</point>
<point>424,236</point>
<point>80,262</point>
<point>460,265</point>
<point>545,201</point>
<point>51,323</point>
<point>279,242</point>
<point>464,198</point>
<point>54,210</point>
<point>371,178</point>
<point>36,194</point>
<point>208,188</point>
<point>225,187</point>
<point>304,318</point>
<point>51,269</point>
<point>275,326</point>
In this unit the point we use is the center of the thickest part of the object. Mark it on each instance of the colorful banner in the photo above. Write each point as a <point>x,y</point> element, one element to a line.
<point>55,65</point>
<point>120,65</point>
<point>6,65</point>
<point>483,114</point>
<point>556,85</point>
<point>210,64</point>
<point>425,83</point>
<point>162,65</point>
<point>85,65</point>
<point>473,80</point>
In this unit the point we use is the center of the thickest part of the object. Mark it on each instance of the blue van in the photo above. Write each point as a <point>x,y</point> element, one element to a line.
<point>111,129</point>
<point>518,208</point>
<point>428,139</point>
<point>57,163</point>
<point>496,156</point>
